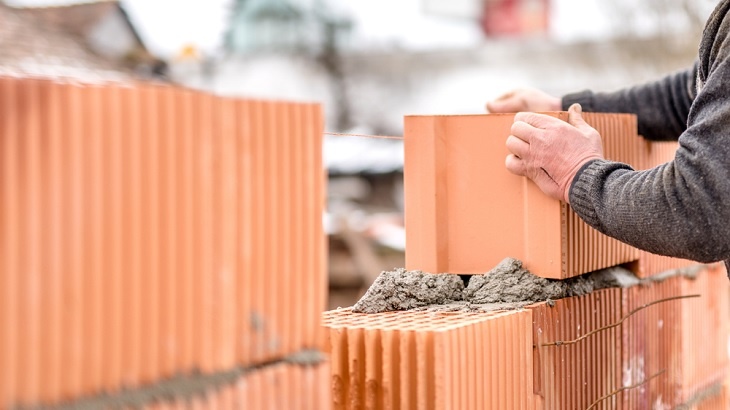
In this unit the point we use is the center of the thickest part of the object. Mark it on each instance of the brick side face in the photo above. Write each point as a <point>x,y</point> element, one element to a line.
<point>151,231</point>
<point>425,360</point>
<point>573,353</point>
<point>465,212</point>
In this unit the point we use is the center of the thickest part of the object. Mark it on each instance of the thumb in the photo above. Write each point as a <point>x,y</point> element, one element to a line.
<point>575,117</point>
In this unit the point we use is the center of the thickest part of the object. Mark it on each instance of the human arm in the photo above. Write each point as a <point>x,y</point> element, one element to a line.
<point>678,209</point>
<point>681,208</point>
<point>661,107</point>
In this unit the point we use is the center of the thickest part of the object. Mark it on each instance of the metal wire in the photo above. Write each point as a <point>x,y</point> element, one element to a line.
<point>595,403</point>
<point>591,333</point>
<point>342,134</point>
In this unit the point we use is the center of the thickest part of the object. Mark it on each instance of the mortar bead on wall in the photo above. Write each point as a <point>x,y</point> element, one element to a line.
<point>661,343</point>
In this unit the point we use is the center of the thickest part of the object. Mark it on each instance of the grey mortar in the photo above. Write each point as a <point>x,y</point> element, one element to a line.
<point>404,290</point>
<point>689,272</point>
<point>712,391</point>
<point>181,387</point>
<point>507,286</point>
<point>509,282</point>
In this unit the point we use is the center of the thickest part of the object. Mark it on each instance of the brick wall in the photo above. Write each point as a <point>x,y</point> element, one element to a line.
<point>427,360</point>
<point>149,233</point>
<point>661,344</point>
<point>667,355</point>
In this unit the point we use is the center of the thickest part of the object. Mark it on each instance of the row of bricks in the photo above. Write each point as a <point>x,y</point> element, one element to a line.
<point>719,401</point>
<point>465,212</point>
<point>524,359</point>
<point>280,386</point>
<point>151,231</point>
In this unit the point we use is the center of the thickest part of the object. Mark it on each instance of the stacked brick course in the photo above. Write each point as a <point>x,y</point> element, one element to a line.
<point>575,375</point>
<point>687,340</point>
<point>149,232</point>
<point>543,357</point>
<point>430,360</point>
<point>661,344</point>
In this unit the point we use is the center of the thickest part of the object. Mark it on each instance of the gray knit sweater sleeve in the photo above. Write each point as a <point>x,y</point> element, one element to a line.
<point>681,208</point>
<point>661,107</point>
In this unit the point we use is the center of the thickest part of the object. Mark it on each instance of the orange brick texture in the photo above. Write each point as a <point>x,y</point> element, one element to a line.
<point>573,376</point>
<point>720,400</point>
<point>148,231</point>
<point>465,212</point>
<point>426,360</point>
<point>612,349</point>
<point>283,386</point>
<point>686,340</point>
<point>662,356</point>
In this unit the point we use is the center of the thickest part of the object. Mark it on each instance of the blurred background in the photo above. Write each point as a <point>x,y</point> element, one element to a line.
<point>368,62</point>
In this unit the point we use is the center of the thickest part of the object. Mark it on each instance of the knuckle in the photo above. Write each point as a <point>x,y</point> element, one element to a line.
<point>528,118</point>
<point>510,142</point>
<point>520,129</point>
<point>521,116</point>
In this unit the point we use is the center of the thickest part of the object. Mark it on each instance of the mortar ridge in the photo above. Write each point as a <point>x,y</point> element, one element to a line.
<point>181,387</point>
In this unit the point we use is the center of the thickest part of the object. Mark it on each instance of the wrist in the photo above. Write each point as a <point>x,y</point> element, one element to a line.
<point>576,176</point>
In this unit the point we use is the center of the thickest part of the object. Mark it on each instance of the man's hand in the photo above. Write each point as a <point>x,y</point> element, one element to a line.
<point>550,151</point>
<point>525,100</point>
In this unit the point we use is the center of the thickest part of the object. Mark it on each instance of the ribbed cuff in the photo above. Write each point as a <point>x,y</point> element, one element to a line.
<point>581,191</point>
<point>587,194</point>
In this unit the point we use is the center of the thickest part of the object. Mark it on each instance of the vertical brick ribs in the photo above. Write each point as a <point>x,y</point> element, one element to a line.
<point>149,231</point>
<point>544,357</point>
<point>465,211</point>
<point>604,350</point>
<point>429,360</point>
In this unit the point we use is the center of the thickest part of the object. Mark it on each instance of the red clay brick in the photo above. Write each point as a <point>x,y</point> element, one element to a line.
<point>659,152</point>
<point>426,360</point>
<point>465,212</point>
<point>573,376</point>
<point>280,386</point>
<point>718,401</point>
<point>148,231</point>
<point>687,339</point>
<point>470,360</point>
<point>650,264</point>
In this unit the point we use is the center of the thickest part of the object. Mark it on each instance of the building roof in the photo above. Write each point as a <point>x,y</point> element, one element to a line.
<point>31,48</point>
<point>75,19</point>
